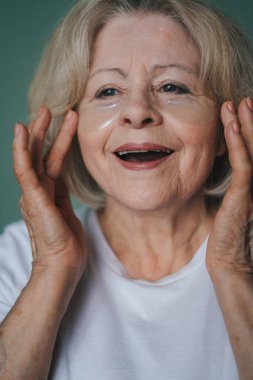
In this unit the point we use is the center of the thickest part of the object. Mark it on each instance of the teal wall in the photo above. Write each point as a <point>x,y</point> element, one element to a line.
<point>24,27</point>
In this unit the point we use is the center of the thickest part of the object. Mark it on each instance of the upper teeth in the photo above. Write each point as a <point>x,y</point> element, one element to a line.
<point>143,151</point>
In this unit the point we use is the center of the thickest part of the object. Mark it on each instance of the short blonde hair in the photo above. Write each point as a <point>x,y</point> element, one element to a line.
<point>226,63</point>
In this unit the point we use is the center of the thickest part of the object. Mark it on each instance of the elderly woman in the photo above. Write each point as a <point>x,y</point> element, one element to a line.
<point>144,111</point>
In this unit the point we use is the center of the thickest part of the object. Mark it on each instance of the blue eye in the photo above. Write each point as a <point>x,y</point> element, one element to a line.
<point>175,89</point>
<point>107,92</point>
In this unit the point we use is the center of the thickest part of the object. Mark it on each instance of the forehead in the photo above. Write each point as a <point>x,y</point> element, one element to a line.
<point>152,39</point>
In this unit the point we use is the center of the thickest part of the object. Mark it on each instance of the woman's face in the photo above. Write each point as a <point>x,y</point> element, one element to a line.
<point>147,131</point>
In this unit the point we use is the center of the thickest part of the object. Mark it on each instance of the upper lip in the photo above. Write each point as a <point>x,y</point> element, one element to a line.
<point>135,147</point>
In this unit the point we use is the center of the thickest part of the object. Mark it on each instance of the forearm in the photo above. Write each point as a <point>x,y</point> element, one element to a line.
<point>235,295</point>
<point>28,333</point>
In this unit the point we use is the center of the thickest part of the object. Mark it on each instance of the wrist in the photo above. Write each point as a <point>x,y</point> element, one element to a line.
<point>58,273</point>
<point>234,290</point>
<point>229,273</point>
<point>55,286</point>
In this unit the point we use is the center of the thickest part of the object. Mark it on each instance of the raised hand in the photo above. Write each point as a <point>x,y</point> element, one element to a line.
<point>56,234</point>
<point>230,243</point>
<point>58,248</point>
<point>230,247</point>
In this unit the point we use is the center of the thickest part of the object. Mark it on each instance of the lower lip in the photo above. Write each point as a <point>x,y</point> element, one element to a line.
<point>141,165</point>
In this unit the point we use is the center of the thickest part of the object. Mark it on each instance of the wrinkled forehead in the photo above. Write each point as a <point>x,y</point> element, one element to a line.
<point>150,39</point>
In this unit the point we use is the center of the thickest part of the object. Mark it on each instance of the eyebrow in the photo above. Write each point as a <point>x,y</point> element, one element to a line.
<point>179,66</point>
<point>113,69</point>
<point>154,68</point>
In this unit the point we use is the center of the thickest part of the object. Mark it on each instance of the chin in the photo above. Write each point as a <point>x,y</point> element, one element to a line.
<point>145,201</point>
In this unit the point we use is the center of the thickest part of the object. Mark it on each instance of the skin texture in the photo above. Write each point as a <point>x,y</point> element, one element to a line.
<point>148,214</point>
<point>184,122</point>
<point>58,248</point>
<point>140,96</point>
<point>187,123</point>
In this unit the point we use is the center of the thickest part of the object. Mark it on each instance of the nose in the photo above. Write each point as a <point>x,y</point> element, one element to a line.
<point>138,112</point>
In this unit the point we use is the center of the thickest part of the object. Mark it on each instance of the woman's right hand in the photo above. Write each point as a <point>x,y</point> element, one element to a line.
<point>56,235</point>
<point>58,248</point>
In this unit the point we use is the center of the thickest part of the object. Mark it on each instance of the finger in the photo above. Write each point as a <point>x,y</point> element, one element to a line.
<point>38,129</point>
<point>238,154</point>
<point>63,202</point>
<point>57,153</point>
<point>228,113</point>
<point>23,166</point>
<point>30,126</point>
<point>62,198</point>
<point>245,113</point>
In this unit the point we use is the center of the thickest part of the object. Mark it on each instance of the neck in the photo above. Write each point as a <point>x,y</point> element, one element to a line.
<point>152,244</point>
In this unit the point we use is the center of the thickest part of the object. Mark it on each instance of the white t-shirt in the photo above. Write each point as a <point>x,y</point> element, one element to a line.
<point>117,328</point>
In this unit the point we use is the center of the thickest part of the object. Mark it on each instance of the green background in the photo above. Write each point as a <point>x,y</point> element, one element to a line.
<point>25,25</point>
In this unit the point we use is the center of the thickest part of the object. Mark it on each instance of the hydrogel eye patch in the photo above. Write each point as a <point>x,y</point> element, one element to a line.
<point>190,110</point>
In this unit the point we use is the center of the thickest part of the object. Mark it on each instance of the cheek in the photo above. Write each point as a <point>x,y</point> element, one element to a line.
<point>200,146</point>
<point>191,115</point>
<point>91,145</point>
<point>93,149</point>
<point>197,133</point>
<point>94,129</point>
<point>198,157</point>
<point>194,123</point>
<point>97,118</point>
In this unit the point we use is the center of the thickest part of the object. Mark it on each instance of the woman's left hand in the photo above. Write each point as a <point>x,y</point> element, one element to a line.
<point>230,247</point>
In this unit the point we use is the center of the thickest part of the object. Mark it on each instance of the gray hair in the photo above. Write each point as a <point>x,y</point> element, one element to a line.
<point>226,63</point>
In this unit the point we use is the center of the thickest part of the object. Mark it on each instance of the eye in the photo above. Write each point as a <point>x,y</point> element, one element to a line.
<point>175,89</point>
<point>106,92</point>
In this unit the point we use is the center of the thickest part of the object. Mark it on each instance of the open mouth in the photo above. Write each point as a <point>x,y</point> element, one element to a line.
<point>139,156</point>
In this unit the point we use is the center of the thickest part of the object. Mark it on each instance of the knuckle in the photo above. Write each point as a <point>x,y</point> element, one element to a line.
<point>28,213</point>
<point>22,207</point>
<point>19,174</point>
<point>21,201</point>
<point>21,204</point>
<point>28,207</point>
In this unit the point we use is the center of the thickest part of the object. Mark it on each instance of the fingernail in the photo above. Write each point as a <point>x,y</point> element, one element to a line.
<point>16,130</point>
<point>69,115</point>
<point>250,103</point>
<point>231,107</point>
<point>236,128</point>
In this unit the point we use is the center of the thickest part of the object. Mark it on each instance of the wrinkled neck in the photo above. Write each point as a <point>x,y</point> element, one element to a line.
<point>152,244</point>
